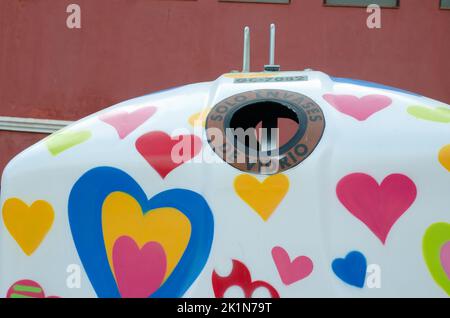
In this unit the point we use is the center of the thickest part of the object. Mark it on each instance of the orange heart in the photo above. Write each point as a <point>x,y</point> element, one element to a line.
<point>263,197</point>
<point>28,225</point>
<point>444,157</point>
<point>199,119</point>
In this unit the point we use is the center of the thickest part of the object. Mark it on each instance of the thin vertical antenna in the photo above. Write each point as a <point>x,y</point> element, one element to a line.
<point>272,67</point>
<point>272,44</point>
<point>246,58</point>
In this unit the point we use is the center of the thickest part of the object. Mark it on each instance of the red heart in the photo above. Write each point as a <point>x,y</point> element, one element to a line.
<point>139,272</point>
<point>125,122</point>
<point>158,148</point>
<point>359,108</point>
<point>291,272</point>
<point>377,206</point>
<point>240,276</point>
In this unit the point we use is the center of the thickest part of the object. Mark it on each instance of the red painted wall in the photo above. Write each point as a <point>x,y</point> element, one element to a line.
<point>127,48</point>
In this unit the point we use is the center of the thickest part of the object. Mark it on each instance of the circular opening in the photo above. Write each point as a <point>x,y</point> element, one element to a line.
<point>265,126</point>
<point>265,131</point>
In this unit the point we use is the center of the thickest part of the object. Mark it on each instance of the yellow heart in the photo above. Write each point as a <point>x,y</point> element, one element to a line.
<point>263,197</point>
<point>199,119</point>
<point>28,225</point>
<point>122,216</point>
<point>444,157</point>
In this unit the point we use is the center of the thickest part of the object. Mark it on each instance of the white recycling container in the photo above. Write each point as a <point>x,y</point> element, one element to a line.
<point>266,184</point>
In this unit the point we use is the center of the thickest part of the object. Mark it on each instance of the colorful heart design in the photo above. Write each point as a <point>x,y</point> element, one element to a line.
<point>126,122</point>
<point>377,206</point>
<point>199,119</point>
<point>359,108</point>
<point>438,115</point>
<point>444,157</point>
<point>60,142</point>
<point>436,252</point>
<point>240,276</point>
<point>26,289</point>
<point>28,225</point>
<point>106,204</point>
<point>291,271</point>
<point>139,272</point>
<point>122,216</point>
<point>165,153</point>
<point>263,197</point>
<point>351,269</point>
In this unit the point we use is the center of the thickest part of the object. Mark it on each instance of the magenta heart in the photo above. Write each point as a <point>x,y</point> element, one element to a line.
<point>445,258</point>
<point>291,272</point>
<point>125,122</point>
<point>377,206</point>
<point>359,108</point>
<point>139,272</point>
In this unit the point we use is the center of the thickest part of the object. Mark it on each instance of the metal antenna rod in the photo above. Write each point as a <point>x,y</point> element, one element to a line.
<point>272,44</point>
<point>246,58</point>
<point>272,67</point>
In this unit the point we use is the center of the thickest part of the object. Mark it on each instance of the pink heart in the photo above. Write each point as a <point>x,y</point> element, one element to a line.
<point>445,258</point>
<point>291,272</point>
<point>139,272</point>
<point>125,122</point>
<point>377,206</point>
<point>359,108</point>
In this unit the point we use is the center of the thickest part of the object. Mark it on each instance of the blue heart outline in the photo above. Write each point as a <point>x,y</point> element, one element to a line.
<point>351,269</point>
<point>85,217</point>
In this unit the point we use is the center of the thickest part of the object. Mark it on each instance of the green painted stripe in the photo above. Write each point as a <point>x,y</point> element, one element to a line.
<point>27,289</point>
<point>19,296</point>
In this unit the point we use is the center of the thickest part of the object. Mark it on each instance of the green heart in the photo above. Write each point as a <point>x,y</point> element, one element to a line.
<point>62,141</point>
<point>434,239</point>
<point>440,114</point>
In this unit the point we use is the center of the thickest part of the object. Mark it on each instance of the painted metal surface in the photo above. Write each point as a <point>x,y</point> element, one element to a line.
<point>125,50</point>
<point>104,193</point>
